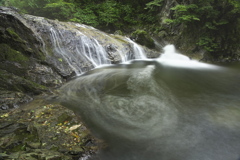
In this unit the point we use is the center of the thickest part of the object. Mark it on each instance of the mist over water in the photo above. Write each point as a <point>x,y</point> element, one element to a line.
<point>171,108</point>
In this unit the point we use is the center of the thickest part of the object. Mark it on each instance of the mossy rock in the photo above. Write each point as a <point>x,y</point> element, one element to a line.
<point>44,131</point>
<point>143,38</point>
<point>9,54</point>
<point>16,83</point>
<point>13,34</point>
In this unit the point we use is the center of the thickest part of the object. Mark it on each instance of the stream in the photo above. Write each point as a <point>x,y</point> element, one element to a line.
<point>169,108</point>
<point>165,108</point>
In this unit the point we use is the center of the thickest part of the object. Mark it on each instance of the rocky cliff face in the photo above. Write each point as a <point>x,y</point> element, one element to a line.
<point>184,42</point>
<point>20,61</point>
<point>37,54</point>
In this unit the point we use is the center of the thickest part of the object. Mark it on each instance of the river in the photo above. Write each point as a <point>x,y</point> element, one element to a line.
<point>169,108</point>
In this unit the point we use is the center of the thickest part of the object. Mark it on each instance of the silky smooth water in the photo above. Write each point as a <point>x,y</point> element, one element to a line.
<point>160,109</point>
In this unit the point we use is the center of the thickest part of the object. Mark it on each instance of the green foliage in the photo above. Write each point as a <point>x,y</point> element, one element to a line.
<point>184,14</point>
<point>213,20</point>
<point>127,12</point>
<point>109,12</point>
<point>27,6</point>
<point>86,16</point>
<point>153,5</point>
<point>98,13</point>
<point>138,33</point>
<point>60,10</point>
<point>208,43</point>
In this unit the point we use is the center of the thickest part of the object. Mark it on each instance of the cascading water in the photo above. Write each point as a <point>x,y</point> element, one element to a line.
<point>82,52</point>
<point>78,51</point>
<point>76,48</point>
<point>137,50</point>
<point>156,110</point>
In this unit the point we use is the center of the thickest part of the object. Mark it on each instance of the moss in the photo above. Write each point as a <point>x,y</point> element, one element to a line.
<point>17,83</point>
<point>9,54</point>
<point>143,38</point>
<point>119,32</point>
<point>21,139</point>
<point>33,87</point>
<point>13,34</point>
<point>119,38</point>
<point>60,59</point>
<point>37,133</point>
<point>64,117</point>
<point>139,32</point>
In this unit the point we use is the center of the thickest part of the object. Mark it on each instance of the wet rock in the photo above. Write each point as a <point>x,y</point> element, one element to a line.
<point>39,54</point>
<point>12,99</point>
<point>112,53</point>
<point>39,154</point>
<point>45,75</point>
<point>44,131</point>
<point>23,72</point>
<point>143,38</point>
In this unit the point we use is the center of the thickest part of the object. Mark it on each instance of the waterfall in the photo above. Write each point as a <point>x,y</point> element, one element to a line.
<point>78,51</point>
<point>58,48</point>
<point>82,51</point>
<point>171,54</point>
<point>170,57</point>
<point>137,50</point>
<point>77,48</point>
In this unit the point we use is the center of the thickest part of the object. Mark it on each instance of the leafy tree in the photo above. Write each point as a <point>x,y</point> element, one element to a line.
<point>59,10</point>
<point>128,15</point>
<point>185,14</point>
<point>109,12</point>
<point>27,6</point>
<point>216,20</point>
<point>86,16</point>
<point>153,5</point>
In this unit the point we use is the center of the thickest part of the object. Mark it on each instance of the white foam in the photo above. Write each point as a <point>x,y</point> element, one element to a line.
<point>171,58</point>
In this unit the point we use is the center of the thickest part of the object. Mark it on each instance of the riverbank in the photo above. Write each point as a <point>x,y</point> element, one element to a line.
<point>41,130</point>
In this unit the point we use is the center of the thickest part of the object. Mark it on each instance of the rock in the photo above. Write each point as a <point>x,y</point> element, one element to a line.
<point>143,38</point>
<point>44,131</point>
<point>20,60</point>
<point>33,145</point>
<point>39,54</point>
<point>39,154</point>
